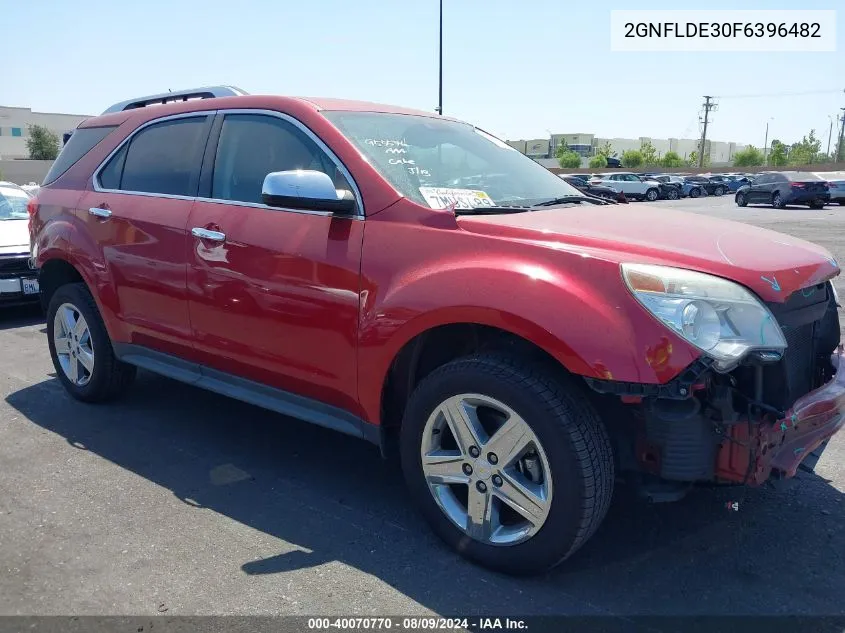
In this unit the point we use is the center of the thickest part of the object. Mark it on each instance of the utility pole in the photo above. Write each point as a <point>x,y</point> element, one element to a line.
<point>766,146</point>
<point>708,106</point>
<point>840,154</point>
<point>440,82</point>
<point>830,133</point>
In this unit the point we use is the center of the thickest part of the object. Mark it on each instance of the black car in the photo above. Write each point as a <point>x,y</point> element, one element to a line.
<point>613,162</point>
<point>668,190</point>
<point>595,190</point>
<point>786,187</point>
<point>711,187</point>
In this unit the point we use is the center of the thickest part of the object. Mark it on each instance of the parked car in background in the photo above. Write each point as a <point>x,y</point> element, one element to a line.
<point>836,186</point>
<point>613,162</point>
<point>782,188</point>
<point>708,186</point>
<point>601,191</point>
<point>731,182</point>
<point>630,184</point>
<point>18,277</point>
<point>668,190</point>
<point>518,345</point>
<point>687,189</point>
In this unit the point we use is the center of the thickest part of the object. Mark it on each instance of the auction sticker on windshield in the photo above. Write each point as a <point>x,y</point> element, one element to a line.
<point>445,197</point>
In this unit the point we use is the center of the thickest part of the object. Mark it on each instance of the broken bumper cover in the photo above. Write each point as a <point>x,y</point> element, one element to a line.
<point>784,444</point>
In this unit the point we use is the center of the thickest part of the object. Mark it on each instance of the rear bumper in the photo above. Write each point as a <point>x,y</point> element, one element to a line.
<point>782,446</point>
<point>808,197</point>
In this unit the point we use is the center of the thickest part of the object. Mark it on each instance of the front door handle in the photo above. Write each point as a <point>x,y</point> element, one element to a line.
<point>206,234</point>
<point>100,212</point>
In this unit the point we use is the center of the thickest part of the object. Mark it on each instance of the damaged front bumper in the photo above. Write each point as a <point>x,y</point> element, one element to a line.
<point>756,451</point>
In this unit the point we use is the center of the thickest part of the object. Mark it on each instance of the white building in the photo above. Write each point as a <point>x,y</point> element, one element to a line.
<point>14,128</point>
<point>721,153</point>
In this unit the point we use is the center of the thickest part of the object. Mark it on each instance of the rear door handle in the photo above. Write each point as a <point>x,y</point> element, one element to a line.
<point>206,234</point>
<point>100,212</point>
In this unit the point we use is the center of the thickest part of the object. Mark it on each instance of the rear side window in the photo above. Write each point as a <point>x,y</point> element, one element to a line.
<point>82,141</point>
<point>163,158</point>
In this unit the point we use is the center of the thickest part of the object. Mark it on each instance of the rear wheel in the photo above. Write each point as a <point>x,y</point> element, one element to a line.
<point>817,204</point>
<point>509,467</point>
<point>673,194</point>
<point>652,194</point>
<point>719,191</point>
<point>695,192</point>
<point>80,347</point>
<point>741,200</point>
<point>777,201</point>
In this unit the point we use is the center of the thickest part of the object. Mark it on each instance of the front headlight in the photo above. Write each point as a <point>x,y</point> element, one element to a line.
<point>720,317</point>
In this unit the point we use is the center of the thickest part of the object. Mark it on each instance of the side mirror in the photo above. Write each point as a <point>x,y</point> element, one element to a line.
<point>305,189</point>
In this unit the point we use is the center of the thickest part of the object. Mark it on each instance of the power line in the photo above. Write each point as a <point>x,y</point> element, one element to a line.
<point>780,94</point>
<point>708,106</point>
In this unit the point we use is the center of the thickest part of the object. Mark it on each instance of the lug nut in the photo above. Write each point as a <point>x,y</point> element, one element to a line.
<point>491,457</point>
<point>482,487</point>
<point>473,450</point>
<point>497,481</point>
<point>467,469</point>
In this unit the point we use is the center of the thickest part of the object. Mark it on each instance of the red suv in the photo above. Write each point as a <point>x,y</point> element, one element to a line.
<point>411,280</point>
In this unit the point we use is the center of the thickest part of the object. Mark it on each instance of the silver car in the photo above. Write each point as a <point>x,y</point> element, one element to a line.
<point>18,278</point>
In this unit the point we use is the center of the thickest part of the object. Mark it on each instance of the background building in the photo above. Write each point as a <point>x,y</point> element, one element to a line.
<point>720,153</point>
<point>14,131</point>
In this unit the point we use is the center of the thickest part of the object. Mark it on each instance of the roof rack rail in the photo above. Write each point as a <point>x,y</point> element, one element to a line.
<point>208,92</point>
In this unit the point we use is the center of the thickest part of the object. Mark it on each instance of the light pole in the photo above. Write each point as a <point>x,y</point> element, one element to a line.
<point>440,81</point>
<point>766,143</point>
<point>832,117</point>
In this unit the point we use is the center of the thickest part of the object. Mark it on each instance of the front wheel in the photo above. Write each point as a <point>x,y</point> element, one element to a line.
<point>720,191</point>
<point>511,468</point>
<point>695,192</point>
<point>777,201</point>
<point>741,200</point>
<point>81,349</point>
<point>673,194</point>
<point>652,194</point>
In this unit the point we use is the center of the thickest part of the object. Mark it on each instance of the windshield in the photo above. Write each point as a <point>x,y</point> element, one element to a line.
<point>437,162</point>
<point>13,204</point>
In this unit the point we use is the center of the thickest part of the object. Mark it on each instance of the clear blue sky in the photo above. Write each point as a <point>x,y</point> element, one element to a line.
<point>517,69</point>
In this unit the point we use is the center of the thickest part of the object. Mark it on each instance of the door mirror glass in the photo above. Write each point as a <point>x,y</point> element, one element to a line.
<point>305,189</point>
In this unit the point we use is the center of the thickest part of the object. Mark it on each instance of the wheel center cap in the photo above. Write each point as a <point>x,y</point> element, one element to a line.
<point>483,469</point>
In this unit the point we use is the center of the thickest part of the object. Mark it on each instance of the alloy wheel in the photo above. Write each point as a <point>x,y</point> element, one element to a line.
<point>486,469</point>
<point>72,342</point>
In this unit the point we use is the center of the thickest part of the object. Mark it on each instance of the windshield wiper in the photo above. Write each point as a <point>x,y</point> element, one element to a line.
<point>491,210</point>
<point>567,199</point>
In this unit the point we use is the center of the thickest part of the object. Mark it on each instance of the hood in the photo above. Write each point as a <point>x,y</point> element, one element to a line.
<point>14,236</point>
<point>771,264</point>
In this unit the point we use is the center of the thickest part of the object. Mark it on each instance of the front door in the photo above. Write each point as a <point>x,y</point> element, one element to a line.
<point>274,293</point>
<point>137,215</point>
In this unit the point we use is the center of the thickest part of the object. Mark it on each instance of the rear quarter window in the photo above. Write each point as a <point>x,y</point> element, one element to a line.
<point>82,141</point>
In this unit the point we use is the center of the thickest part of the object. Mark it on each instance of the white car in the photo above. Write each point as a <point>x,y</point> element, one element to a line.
<point>836,185</point>
<point>18,277</point>
<point>630,184</point>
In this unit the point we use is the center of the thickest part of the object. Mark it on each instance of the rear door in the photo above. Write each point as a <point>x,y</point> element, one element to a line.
<point>274,293</point>
<point>137,215</point>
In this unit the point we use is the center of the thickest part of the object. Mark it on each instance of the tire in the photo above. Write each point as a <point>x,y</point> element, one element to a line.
<point>777,201</point>
<point>695,192</point>
<point>741,200</point>
<point>817,204</point>
<point>673,194</point>
<point>652,194</point>
<point>571,442</point>
<point>719,191</point>
<point>107,377</point>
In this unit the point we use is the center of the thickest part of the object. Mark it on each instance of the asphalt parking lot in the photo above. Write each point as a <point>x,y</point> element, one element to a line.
<point>182,502</point>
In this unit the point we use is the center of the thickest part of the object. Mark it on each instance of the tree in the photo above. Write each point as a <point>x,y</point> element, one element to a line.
<point>749,157</point>
<point>605,150</point>
<point>599,161</point>
<point>807,151</point>
<point>42,143</point>
<point>671,160</point>
<point>692,160</point>
<point>649,153</point>
<point>632,158</point>
<point>568,159</point>
<point>777,156</point>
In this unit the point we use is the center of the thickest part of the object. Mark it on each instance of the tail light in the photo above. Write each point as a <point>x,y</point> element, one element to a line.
<point>798,185</point>
<point>32,206</point>
<point>832,185</point>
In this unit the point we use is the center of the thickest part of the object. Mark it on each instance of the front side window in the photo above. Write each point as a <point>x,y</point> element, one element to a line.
<point>163,158</point>
<point>437,162</point>
<point>254,145</point>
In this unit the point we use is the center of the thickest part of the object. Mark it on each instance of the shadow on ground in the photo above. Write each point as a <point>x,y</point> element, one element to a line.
<point>782,552</point>
<point>20,316</point>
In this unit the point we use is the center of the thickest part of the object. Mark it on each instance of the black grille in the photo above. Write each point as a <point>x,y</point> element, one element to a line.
<point>14,266</point>
<point>799,360</point>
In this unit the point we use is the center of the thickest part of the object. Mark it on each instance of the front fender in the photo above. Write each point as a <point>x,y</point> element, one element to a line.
<point>576,308</point>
